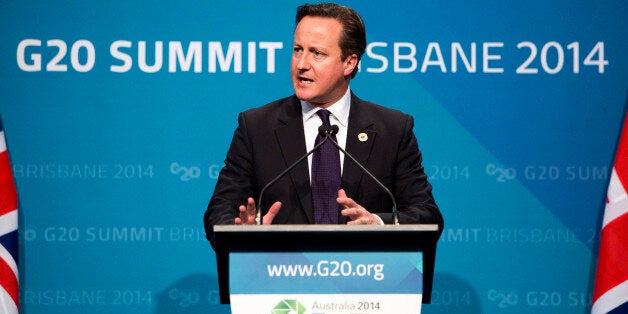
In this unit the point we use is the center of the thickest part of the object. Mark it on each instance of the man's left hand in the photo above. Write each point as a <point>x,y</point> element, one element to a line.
<point>357,214</point>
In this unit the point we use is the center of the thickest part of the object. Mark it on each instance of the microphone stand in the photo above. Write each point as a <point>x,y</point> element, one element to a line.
<point>327,132</point>
<point>395,215</point>
<point>323,130</point>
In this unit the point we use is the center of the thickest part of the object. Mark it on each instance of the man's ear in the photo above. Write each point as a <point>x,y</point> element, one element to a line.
<point>350,63</point>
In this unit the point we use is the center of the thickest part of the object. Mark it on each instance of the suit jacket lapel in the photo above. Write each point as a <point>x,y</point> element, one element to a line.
<point>360,139</point>
<point>291,138</point>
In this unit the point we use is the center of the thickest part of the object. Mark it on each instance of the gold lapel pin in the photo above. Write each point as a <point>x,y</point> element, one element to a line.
<point>362,137</point>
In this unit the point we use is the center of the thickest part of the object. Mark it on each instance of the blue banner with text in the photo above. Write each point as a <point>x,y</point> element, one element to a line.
<point>118,115</point>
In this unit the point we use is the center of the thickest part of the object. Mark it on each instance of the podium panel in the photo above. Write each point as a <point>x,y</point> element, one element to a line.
<point>289,266</point>
<point>333,282</point>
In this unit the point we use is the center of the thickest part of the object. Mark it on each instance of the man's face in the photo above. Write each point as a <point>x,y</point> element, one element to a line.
<point>319,75</point>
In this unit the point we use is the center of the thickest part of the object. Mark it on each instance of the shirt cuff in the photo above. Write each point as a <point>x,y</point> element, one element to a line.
<point>379,219</point>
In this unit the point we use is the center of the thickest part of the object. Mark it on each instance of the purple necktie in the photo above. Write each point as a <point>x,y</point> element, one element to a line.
<point>325,178</point>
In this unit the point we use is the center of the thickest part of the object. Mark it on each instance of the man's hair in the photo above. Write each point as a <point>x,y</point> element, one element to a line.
<point>353,36</point>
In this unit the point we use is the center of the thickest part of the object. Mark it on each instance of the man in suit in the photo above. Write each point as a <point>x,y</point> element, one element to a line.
<point>329,41</point>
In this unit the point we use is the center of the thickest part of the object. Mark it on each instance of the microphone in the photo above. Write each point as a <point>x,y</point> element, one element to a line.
<point>326,132</point>
<point>332,130</point>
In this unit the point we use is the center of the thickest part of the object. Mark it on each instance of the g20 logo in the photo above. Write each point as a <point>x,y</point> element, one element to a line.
<point>289,306</point>
<point>30,55</point>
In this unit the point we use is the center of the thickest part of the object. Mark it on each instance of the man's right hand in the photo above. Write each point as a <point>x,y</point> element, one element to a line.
<point>247,213</point>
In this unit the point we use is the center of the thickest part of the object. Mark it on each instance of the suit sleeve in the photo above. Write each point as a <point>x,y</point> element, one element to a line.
<point>412,190</point>
<point>234,184</point>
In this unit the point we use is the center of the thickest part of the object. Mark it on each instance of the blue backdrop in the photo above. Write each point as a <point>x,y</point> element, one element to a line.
<point>118,116</point>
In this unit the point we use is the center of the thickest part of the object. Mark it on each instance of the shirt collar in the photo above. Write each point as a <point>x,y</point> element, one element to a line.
<point>339,109</point>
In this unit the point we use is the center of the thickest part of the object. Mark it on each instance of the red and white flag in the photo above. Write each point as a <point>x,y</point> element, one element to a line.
<point>610,294</point>
<point>9,300</point>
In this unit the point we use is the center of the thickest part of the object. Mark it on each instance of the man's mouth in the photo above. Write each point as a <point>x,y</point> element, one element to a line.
<point>304,80</point>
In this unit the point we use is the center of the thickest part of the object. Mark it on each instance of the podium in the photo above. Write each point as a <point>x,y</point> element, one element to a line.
<point>338,267</point>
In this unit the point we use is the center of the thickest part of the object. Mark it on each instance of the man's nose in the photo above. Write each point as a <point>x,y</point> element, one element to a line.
<point>303,62</point>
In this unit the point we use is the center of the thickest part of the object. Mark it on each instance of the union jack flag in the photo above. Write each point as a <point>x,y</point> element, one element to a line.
<point>9,300</point>
<point>610,294</point>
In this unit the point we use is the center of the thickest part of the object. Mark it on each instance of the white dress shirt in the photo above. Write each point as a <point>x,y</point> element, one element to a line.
<point>339,116</point>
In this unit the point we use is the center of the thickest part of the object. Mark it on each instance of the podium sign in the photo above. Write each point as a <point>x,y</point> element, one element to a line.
<point>326,282</point>
<point>325,268</point>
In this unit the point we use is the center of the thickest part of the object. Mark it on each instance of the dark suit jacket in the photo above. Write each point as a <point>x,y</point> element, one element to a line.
<point>270,138</point>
